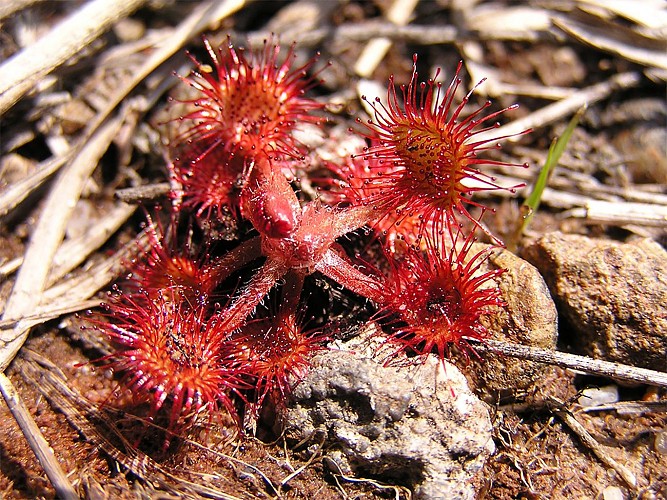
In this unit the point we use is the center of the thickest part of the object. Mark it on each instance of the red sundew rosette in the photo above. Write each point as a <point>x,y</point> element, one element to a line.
<point>171,355</point>
<point>423,157</point>
<point>277,352</point>
<point>244,105</point>
<point>170,267</point>
<point>434,300</point>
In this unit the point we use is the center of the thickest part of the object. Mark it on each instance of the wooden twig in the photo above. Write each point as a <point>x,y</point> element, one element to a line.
<point>9,7</point>
<point>47,235</point>
<point>558,110</point>
<point>498,21</point>
<point>139,194</point>
<point>608,212</point>
<point>52,311</point>
<point>11,197</point>
<point>418,34</point>
<point>21,72</point>
<point>574,361</point>
<point>398,14</point>
<point>630,407</point>
<point>588,440</point>
<point>75,251</point>
<point>36,440</point>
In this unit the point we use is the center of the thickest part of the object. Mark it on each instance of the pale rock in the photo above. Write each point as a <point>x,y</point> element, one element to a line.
<point>419,427</point>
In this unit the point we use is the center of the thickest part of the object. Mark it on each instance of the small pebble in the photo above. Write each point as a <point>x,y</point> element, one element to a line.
<point>661,442</point>
<point>129,30</point>
<point>596,396</point>
<point>613,493</point>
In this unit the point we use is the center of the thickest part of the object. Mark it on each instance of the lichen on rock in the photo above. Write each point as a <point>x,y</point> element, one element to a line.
<point>419,427</point>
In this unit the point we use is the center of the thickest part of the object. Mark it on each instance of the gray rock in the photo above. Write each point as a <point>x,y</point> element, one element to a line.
<point>530,318</point>
<point>613,294</point>
<point>419,427</point>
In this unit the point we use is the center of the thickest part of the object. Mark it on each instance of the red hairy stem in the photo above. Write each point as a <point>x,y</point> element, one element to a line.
<point>341,269</point>
<point>291,292</point>
<point>353,218</point>
<point>348,188</point>
<point>252,294</point>
<point>235,259</point>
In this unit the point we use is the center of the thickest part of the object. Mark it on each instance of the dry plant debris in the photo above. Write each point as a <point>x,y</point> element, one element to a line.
<point>80,123</point>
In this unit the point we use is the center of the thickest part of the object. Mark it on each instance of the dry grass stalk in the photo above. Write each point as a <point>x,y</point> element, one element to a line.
<point>575,362</point>
<point>22,71</point>
<point>589,441</point>
<point>36,440</point>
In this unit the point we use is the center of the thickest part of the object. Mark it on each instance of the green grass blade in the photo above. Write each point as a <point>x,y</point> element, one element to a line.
<point>532,203</point>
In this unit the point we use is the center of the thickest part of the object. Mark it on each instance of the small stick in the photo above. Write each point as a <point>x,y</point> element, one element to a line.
<point>24,70</point>
<point>575,362</point>
<point>630,407</point>
<point>560,109</point>
<point>138,194</point>
<point>399,14</point>
<point>36,440</point>
<point>49,312</point>
<point>591,443</point>
<point>14,194</point>
<point>609,212</point>
<point>9,7</point>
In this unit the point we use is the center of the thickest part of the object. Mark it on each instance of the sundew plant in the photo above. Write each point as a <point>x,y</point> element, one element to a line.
<point>218,320</point>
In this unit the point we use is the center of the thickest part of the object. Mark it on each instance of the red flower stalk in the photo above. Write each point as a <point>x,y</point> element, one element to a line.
<point>277,352</point>
<point>244,106</point>
<point>423,156</point>
<point>170,352</point>
<point>437,300</point>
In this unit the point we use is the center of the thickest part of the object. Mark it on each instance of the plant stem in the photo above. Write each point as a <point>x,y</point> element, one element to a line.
<point>573,361</point>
